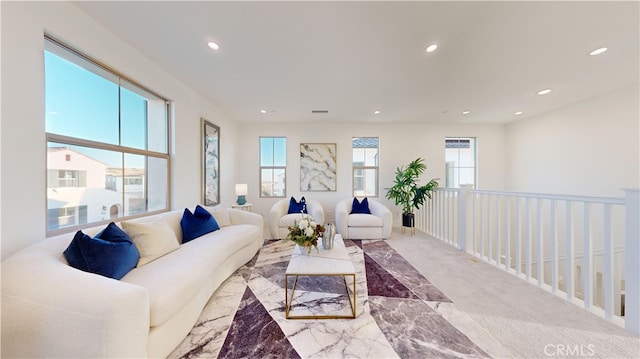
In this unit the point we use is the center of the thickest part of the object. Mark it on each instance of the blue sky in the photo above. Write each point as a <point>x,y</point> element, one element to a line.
<point>82,104</point>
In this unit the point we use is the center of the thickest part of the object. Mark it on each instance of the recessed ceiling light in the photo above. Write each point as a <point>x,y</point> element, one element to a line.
<point>544,92</point>
<point>263,111</point>
<point>598,51</point>
<point>518,113</point>
<point>432,48</point>
<point>465,112</point>
<point>376,112</point>
<point>213,45</point>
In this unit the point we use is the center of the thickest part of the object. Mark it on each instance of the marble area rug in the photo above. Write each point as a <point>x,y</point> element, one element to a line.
<point>397,312</point>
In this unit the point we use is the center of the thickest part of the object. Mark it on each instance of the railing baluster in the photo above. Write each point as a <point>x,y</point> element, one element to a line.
<point>489,228</point>
<point>498,235</point>
<point>518,250</point>
<point>570,287</point>
<point>452,237</point>
<point>632,266</point>
<point>445,227</point>
<point>507,261</point>
<point>528,238</point>
<point>474,225</point>
<point>540,266</point>
<point>442,216</point>
<point>481,221</point>
<point>554,246</point>
<point>607,262</point>
<point>587,270</point>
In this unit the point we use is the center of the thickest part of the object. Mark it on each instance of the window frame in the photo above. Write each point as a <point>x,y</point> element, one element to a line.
<point>273,167</point>
<point>473,142</point>
<point>74,56</point>
<point>354,168</point>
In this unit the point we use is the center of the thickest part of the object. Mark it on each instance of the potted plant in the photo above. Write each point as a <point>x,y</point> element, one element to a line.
<point>406,192</point>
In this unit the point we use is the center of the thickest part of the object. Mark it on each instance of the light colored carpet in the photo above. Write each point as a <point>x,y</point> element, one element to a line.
<point>527,321</point>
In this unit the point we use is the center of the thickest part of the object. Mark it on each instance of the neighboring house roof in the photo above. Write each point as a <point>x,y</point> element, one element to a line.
<point>365,142</point>
<point>64,148</point>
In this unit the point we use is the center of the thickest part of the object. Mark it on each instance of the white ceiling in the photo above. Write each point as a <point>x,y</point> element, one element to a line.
<point>352,58</point>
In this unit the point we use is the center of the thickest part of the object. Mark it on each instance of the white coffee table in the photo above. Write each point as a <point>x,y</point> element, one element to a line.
<point>334,262</point>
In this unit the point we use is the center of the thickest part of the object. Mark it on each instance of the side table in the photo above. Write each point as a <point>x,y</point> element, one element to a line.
<point>244,207</point>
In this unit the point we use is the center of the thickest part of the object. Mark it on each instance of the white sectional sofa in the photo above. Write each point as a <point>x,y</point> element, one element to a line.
<point>50,309</point>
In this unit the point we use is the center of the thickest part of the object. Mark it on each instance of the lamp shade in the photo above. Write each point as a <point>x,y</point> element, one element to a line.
<point>241,189</point>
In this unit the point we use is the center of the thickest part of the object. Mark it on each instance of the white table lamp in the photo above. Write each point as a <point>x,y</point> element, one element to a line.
<point>241,192</point>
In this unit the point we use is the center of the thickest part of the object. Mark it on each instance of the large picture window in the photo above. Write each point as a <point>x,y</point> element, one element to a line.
<point>107,143</point>
<point>273,166</point>
<point>365,166</point>
<point>460,157</point>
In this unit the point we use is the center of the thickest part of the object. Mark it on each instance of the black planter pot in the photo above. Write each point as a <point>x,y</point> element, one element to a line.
<point>408,220</point>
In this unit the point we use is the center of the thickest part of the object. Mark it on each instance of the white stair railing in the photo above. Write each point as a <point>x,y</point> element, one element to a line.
<point>584,249</point>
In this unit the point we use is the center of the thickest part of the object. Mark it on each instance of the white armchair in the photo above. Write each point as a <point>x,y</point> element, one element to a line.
<point>279,220</point>
<point>376,225</point>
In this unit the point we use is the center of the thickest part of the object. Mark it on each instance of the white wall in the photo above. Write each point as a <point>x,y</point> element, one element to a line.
<point>23,144</point>
<point>399,144</point>
<point>588,148</point>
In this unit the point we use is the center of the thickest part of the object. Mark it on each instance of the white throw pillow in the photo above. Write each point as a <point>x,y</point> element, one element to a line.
<point>153,239</point>
<point>221,215</point>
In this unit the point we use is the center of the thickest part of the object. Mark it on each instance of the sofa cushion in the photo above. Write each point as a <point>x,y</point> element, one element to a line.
<point>221,215</point>
<point>360,207</point>
<point>196,224</point>
<point>297,207</point>
<point>174,279</point>
<point>111,253</point>
<point>153,239</point>
<point>364,220</point>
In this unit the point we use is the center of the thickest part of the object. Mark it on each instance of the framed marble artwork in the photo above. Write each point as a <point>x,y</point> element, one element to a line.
<point>318,167</point>
<point>210,163</point>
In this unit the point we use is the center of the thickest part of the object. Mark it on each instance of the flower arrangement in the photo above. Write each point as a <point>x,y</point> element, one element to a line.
<point>305,233</point>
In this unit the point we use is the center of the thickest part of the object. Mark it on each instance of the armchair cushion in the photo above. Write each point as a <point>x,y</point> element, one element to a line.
<point>297,207</point>
<point>364,220</point>
<point>360,207</point>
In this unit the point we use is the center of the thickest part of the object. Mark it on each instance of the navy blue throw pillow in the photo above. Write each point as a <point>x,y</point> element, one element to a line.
<point>297,207</point>
<point>73,254</point>
<point>111,253</point>
<point>196,224</point>
<point>360,207</point>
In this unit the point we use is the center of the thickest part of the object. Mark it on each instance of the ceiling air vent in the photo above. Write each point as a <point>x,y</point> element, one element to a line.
<point>319,111</point>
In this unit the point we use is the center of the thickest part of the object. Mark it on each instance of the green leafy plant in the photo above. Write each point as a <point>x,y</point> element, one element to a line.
<point>405,190</point>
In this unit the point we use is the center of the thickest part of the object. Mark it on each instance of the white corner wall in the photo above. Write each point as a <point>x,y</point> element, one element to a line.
<point>399,144</point>
<point>588,148</point>
<point>23,147</point>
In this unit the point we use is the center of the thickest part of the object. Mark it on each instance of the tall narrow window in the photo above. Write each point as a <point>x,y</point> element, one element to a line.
<point>460,158</point>
<point>107,142</point>
<point>273,166</point>
<point>365,166</point>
